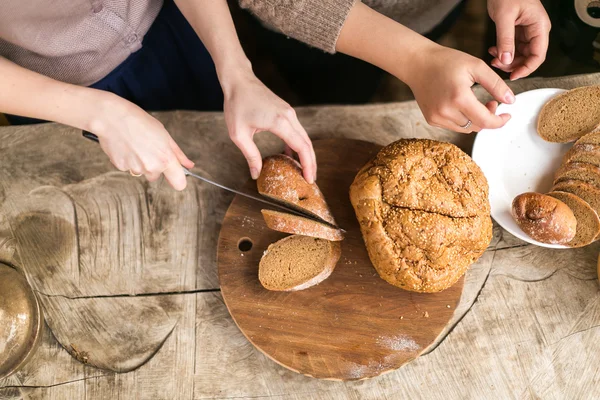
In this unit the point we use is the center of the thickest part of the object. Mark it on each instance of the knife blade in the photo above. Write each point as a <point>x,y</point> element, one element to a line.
<point>187,172</point>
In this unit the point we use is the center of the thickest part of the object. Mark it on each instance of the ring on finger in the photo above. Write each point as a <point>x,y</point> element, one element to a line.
<point>467,125</point>
<point>134,174</point>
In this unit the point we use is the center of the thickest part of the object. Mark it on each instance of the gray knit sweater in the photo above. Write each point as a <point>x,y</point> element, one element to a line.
<point>319,22</point>
<point>80,41</point>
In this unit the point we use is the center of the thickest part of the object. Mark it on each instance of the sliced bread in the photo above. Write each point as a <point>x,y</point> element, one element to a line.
<point>569,116</point>
<point>588,193</point>
<point>588,223</point>
<point>544,218</point>
<point>297,262</point>
<point>297,225</point>
<point>585,172</point>
<point>583,153</point>
<point>590,138</point>
<point>281,180</point>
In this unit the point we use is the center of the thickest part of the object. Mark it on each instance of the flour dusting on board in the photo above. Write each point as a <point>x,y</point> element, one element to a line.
<point>399,342</point>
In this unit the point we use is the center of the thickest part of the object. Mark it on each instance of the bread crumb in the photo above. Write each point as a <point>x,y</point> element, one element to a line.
<point>447,305</point>
<point>401,317</point>
<point>426,314</point>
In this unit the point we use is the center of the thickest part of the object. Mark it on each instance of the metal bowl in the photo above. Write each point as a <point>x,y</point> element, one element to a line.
<point>21,321</point>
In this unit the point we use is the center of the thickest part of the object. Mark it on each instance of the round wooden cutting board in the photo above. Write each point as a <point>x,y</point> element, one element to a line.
<point>353,325</point>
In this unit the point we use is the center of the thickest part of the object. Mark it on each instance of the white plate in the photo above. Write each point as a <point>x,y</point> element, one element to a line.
<point>515,159</point>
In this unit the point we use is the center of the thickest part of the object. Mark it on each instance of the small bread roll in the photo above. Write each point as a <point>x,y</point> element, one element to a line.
<point>544,218</point>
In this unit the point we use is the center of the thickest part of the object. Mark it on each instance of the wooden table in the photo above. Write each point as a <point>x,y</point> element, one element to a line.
<point>127,280</point>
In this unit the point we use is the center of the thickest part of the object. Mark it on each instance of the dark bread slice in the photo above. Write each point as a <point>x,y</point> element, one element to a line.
<point>297,262</point>
<point>570,115</point>
<point>295,224</point>
<point>281,179</point>
<point>583,153</point>
<point>588,193</point>
<point>590,138</point>
<point>544,218</point>
<point>588,223</point>
<point>585,172</point>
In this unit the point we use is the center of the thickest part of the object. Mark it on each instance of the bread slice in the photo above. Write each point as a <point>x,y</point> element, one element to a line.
<point>295,224</point>
<point>588,223</point>
<point>585,172</point>
<point>281,180</point>
<point>588,193</point>
<point>297,262</point>
<point>590,138</point>
<point>583,153</point>
<point>569,116</point>
<point>544,218</point>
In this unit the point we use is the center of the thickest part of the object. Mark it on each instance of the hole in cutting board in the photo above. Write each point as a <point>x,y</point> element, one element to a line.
<point>245,244</point>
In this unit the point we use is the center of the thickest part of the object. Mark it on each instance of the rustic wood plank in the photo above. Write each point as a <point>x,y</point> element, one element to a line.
<point>529,332</point>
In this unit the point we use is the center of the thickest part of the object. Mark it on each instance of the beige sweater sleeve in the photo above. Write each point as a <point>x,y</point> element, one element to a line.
<point>315,22</point>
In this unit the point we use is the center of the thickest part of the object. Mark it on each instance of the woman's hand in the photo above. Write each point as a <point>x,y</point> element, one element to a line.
<point>522,31</point>
<point>441,81</point>
<point>136,142</point>
<point>250,107</point>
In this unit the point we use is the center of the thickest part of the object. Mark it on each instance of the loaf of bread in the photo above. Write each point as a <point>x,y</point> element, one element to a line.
<point>424,213</point>
<point>544,218</point>
<point>588,224</point>
<point>295,224</point>
<point>570,115</point>
<point>281,179</point>
<point>297,263</point>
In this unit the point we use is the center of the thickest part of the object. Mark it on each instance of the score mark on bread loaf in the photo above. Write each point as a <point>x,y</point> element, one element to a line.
<point>424,213</point>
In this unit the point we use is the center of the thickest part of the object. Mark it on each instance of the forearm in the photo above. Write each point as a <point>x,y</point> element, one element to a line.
<point>211,19</point>
<point>29,94</point>
<point>381,41</point>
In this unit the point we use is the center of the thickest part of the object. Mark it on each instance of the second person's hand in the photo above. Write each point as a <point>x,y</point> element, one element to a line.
<point>441,81</point>
<point>137,142</point>
<point>522,34</point>
<point>250,107</point>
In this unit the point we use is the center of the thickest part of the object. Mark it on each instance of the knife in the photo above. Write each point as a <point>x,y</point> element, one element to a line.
<point>93,137</point>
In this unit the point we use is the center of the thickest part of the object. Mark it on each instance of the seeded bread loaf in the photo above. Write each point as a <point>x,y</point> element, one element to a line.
<point>281,180</point>
<point>295,224</point>
<point>584,172</point>
<point>297,263</point>
<point>570,115</point>
<point>544,218</point>
<point>588,224</point>
<point>423,211</point>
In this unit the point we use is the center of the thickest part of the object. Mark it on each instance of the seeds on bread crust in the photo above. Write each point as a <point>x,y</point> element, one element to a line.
<point>423,211</point>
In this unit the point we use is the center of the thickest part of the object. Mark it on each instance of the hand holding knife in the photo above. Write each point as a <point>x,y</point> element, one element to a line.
<point>93,137</point>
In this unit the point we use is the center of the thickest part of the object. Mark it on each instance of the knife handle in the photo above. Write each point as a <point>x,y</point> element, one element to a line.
<point>91,136</point>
